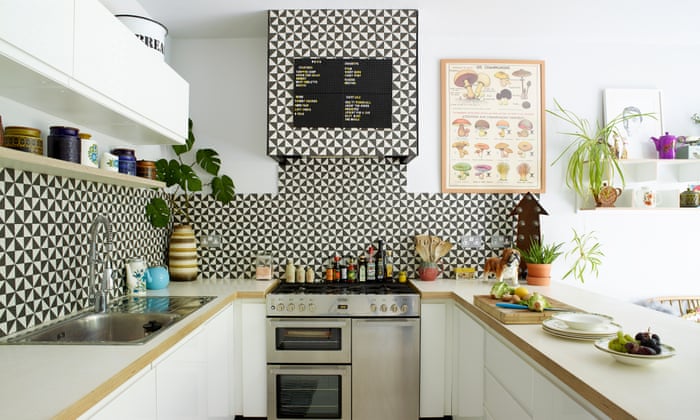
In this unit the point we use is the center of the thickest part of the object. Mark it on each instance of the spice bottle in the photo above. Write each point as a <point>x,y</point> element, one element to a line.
<point>310,274</point>
<point>300,276</point>
<point>336,268</point>
<point>389,266</point>
<point>329,271</point>
<point>371,267</point>
<point>362,269</point>
<point>352,270</point>
<point>290,271</point>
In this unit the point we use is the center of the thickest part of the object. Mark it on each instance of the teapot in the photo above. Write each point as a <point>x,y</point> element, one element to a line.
<point>666,146</point>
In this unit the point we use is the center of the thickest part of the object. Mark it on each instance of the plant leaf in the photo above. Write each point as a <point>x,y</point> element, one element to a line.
<point>189,179</point>
<point>222,188</point>
<point>184,148</point>
<point>158,212</point>
<point>168,172</point>
<point>209,160</point>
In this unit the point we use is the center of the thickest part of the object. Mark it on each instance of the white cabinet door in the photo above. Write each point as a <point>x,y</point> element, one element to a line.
<point>134,400</point>
<point>433,354</point>
<point>510,370</point>
<point>253,362</point>
<point>219,332</point>
<point>499,404</point>
<point>552,403</point>
<point>42,29</point>
<point>467,366</point>
<point>181,380</point>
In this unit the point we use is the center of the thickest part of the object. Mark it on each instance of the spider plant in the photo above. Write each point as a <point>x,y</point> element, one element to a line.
<point>592,161</point>
<point>587,253</point>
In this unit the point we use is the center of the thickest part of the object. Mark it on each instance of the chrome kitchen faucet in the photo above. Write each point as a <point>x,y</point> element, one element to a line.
<point>100,296</point>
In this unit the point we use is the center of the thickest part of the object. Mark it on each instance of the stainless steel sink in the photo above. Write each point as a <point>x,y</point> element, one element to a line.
<point>130,320</point>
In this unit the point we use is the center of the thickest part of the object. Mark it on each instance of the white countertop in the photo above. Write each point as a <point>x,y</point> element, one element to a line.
<point>662,390</point>
<point>41,381</point>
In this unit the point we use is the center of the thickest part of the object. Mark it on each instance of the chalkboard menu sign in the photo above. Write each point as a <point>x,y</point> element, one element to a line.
<point>346,93</point>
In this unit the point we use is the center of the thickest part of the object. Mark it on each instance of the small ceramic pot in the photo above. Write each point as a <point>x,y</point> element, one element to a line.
<point>428,271</point>
<point>157,278</point>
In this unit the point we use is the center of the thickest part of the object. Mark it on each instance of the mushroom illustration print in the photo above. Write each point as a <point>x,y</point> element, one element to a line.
<point>525,127</point>
<point>502,126</point>
<point>463,123</point>
<point>523,170</point>
<point>466,79</point>
<point>522,74</point>
<point>482,170</point>
<point>504,149</point>
<point>479,149</point>
<point>504,96</point>
<point>462,169</point>
<point>502,168</point>
<point>481,82</point>
<point>503,78</point>
<point>482,126</point>
<point>523,148</point>
<point>461,147</point>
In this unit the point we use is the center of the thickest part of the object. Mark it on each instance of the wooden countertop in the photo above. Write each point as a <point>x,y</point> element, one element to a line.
<point>64,381</point>
<point>662,390</point>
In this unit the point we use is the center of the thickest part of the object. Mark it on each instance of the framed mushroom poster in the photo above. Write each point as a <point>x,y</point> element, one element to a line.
<point>493,126</point>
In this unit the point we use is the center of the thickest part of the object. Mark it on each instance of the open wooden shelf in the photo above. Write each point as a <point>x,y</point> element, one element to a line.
<point>15,159</point>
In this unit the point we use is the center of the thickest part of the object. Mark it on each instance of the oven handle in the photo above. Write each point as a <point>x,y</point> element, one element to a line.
<point>403,322</point>
<point>310,324</point>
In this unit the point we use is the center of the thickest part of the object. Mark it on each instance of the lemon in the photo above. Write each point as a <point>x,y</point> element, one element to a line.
<point>521,292</point>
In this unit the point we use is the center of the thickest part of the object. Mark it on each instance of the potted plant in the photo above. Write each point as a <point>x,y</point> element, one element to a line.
<point>592,166</point>
<point>539,257</point>
<point>587,253</point>
<point>183,181</point>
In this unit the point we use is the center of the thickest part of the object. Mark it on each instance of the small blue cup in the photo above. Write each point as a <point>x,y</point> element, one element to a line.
<point>157,278</point>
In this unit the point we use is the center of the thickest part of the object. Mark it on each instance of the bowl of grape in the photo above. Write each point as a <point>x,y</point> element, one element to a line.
<point>642,349</point>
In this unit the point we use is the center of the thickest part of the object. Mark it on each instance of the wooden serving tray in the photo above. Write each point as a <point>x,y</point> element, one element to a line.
<point>518,316</point>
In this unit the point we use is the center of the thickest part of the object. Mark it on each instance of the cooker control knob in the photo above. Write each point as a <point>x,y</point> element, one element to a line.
<point>312,307</point>
<point>302,307</point>
<point>280,307</point>
<point>394,308</point>
<point>404,308</point>
<point>290,307</point>
<point>382,308</point>
<point>373,307</point>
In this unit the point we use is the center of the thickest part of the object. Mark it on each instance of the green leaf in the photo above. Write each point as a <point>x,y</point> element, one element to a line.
<point>184,148</point>
<point>222,188</point>
<point>209,160</point>
<point>190,180</point>
<point>169,172</point>
<point>158,212</point>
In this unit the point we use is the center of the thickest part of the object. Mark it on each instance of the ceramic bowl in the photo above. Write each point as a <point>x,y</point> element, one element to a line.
<point>582,321</point>
<point>635,359</point>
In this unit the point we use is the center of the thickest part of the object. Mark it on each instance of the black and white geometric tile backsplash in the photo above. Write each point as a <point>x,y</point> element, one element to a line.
<point>324,207</point>
<point>337,33</point>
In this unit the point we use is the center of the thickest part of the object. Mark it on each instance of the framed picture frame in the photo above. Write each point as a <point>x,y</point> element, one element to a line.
<point>493,126</point>
<point>636,133</point>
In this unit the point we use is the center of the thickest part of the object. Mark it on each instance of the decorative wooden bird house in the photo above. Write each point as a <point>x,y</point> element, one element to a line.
<point>528,212</point>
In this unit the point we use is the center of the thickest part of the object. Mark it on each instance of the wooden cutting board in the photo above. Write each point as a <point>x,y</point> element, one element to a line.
<point>518,316</point>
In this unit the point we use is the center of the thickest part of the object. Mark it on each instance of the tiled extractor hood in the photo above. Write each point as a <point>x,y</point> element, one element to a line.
<point>361,34</point>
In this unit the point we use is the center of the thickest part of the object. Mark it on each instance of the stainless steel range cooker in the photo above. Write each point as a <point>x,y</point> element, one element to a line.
<point>343,351</point>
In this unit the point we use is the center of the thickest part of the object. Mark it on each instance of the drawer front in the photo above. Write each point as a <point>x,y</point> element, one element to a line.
<point>514,375</point>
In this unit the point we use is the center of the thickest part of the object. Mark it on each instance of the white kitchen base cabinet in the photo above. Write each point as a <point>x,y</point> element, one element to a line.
<point>434,385</point>
<point>251,361</point>
<point>467,366</point>
<point>134,400</point>
<point>192,380</point>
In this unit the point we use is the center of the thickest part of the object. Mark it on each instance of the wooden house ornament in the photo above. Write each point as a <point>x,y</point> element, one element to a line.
<point>528,212</point>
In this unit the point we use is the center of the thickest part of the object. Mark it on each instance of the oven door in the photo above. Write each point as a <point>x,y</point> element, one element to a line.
<point>308,340</point>
<point>308,392</point>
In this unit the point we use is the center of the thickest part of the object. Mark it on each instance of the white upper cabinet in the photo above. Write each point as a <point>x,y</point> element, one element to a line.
<point>75,60</point>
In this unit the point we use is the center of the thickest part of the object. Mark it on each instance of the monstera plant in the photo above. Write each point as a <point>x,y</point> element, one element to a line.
<point>183,181</point>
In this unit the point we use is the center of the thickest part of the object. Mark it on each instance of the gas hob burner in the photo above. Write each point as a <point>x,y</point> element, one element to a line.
<point>344,288</point>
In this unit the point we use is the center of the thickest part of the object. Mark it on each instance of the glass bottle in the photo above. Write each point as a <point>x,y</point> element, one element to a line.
<point>389,266</point>
<point>329,271</point>
<point>362,269</point>
<point>290,271</point>
<point>352,270</point>
<point>381,268</point>
<point>336,268</point>
<point>371,266</point>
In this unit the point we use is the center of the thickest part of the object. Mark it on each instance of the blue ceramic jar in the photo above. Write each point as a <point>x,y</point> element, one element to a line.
<point>63,143</point>
<point>127,161</point>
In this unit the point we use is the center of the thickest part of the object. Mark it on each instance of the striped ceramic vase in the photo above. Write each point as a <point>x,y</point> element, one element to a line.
<point>182,257</point>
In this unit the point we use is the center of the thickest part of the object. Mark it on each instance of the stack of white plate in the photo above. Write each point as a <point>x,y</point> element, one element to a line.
<point>580,326</point>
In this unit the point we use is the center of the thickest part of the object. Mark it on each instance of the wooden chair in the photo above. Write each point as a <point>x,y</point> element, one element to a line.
<point>683,304</point>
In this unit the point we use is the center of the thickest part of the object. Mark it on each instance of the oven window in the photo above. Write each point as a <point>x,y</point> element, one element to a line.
<point>301,338</point>
<point>309,397</point>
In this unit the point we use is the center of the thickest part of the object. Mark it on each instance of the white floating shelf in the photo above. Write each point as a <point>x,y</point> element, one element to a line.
<point>15,159</point>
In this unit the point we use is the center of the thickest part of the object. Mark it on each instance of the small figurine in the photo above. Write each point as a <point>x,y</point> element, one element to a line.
<point>504,267</point>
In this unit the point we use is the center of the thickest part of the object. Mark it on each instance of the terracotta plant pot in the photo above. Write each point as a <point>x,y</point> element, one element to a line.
<point>539,274</point>
<point>182,255</point>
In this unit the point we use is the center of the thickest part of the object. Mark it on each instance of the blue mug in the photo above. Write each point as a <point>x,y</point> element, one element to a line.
<point>157,278</point>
